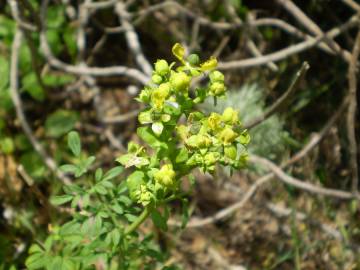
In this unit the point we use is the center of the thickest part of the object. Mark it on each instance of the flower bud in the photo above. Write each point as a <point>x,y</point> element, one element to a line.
<point>144,95</point>
<point>143,195</point>
<point>180,81</point>
<point>193,59</point>
<point>198,141</point>
<point>227,135</point>
<point>230,151</point>
<point>156,78</point>
<point>161,67</point>
<point>160,94</point>
<point>217,89</point>
<point>230,116</point>
<point>216,76</point>
<point>165,176</point>
<point>214,121</point>
<point>211,158</point>
<point>145,117</point>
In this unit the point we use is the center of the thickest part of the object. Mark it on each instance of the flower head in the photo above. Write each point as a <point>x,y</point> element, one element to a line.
<point>165,176</point>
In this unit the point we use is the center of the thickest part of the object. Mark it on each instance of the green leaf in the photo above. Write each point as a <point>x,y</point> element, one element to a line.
<point>133,183</point>
<point>90,160</point>
<point>69,37</point>
<point>68,168</point>
<point>35,248</point>
<point>131,217</point>
<point>113,173</point>
<point>98,174</point>
<point>60,122</point>
<point>30,84</point>
<point>7,145</point>
<point>158,220</point>
<point>148,136</point>
<point>33,164</point>
<point>54,40</point>
<point>185,212</point>
<point>56,80</point>
<point>36,261</point>
<point>4,71</point>
<point>115,235</point>
<point>100,189</point>
<point>61,199</point>
<point>117,208</point>
<point>68,264</point>
<point>125,200</point>
<point>107,184</point>
<point>56,263</point>
<point>182,156</point>
<point>74,143</point>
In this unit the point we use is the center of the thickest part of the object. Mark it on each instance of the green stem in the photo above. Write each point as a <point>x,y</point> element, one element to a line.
<point>133,226</point>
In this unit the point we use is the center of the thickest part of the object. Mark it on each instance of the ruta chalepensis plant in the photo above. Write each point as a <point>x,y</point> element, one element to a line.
<point>107,210</point>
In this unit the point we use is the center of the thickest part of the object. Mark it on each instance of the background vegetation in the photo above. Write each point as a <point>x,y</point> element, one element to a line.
<point>77,65</point>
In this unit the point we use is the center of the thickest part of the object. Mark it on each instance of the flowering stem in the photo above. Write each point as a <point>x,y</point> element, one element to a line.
<point>140,219</point>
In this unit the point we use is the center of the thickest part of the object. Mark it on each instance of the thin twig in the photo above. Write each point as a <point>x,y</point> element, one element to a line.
<point>282,100</point>
<point>291,50</point>
<point>83,70</point>
<point>50,163</point>
<point>351,115</point>
<point>132,39</point>
<point>300,183</point>
<point>302,18</point>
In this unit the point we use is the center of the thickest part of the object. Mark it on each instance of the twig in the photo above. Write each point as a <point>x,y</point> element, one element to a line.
<point>132,39</point>
<point>83,70</point>
<point>355,6</point>
<point>293,49</point>
<point>121,118</point>
<point>17,17</point>
<point>50,163</point>
<point>301,17</point>
<point>282,100</point>
<point>248,41</point>
<point>300,183</point>
<point>351,115</point>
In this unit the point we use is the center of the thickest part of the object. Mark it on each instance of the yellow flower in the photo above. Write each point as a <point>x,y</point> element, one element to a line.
<point>227,135</point>
<point>217,89</point>
<point>209,64</point>
<point>230,116</point>
<point>161,67</point>
<point>156,78</point>
<point>230,152</point>
<point>216,76</point>
<point>165,176</point>
<point>160,94</point>
<point>180,81</point>
<point>214,121</point>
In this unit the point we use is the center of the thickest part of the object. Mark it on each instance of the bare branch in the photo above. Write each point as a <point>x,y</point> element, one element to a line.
<point>291,50</point>
<point>310,25</point>
<point>282,100</point>
<point>83,70</point>
<point>14,73</point>
<point>132,39</point>
<point>351,115</point>
<point>300,183</point>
